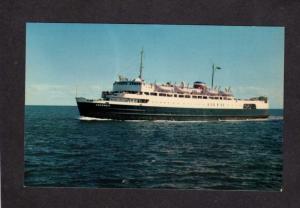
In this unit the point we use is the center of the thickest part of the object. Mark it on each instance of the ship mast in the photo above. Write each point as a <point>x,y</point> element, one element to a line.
<point>213,74</point>
<point>141,64</point>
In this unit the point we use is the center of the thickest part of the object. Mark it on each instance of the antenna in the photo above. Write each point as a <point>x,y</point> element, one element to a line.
<point>212,76</point>
<point>141,64</point>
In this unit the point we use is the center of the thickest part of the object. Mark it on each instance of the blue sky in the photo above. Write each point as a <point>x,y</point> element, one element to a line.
<point>63,57</point>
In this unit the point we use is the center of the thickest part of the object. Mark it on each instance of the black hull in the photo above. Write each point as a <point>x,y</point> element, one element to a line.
<point>121,112</point>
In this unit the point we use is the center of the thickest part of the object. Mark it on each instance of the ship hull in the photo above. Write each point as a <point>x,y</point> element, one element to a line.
<point>129,112</point>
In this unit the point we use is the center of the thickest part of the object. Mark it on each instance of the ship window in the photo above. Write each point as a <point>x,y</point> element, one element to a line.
<point>145,100</point>
<point>199,97</point>
<point>211,97</point>
<point>204,97</point>
<point>175,95</point>
<point>146,93</point>
<point>194,96</point>
<point>169,95</point>
<point>153,93</point>
<point>249,106</point>
<point>162,94</point>
<point>181,96</point>
<point>221,98</point>
<point>187,96</point>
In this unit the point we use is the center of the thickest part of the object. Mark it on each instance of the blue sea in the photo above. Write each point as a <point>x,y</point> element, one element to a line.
<point>62,150</point>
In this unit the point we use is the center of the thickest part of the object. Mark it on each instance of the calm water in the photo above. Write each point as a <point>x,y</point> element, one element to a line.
<point>61,150</point>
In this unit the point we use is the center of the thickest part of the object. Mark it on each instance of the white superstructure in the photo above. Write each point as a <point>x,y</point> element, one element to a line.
<point>136,91</point>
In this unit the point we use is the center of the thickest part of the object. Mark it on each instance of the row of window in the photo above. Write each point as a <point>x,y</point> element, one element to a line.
<point>207,104</point>
<point>127,83</point>
<point>102,104</point>
<point>131,100</point>
<point>186,96</point>
<point>129,92</point>
<point>175,95</point>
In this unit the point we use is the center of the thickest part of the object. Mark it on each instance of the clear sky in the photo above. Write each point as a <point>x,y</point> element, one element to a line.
<point>89,57</point>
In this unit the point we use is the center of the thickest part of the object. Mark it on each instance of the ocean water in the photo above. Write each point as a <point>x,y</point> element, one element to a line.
<point>62,150</point>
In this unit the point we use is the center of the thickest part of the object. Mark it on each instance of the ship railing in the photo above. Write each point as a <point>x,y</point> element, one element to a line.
<point>197,94</point>
<point>260,98</point>
<point>194,93</point>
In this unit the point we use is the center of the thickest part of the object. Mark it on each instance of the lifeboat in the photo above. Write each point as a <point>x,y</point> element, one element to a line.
<point>161,88</point>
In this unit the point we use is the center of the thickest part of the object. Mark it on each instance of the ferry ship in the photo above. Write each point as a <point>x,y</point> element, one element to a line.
<point>136,99</point>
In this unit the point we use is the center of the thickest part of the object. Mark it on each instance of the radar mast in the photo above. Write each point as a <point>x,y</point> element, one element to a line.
<point>141,64</point>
